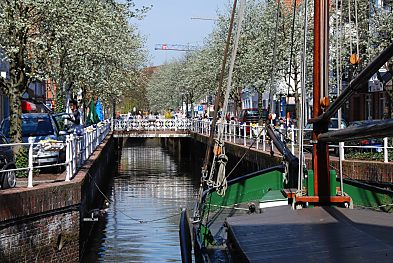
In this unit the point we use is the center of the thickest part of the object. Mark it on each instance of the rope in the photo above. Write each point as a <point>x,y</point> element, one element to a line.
<point>245,153</point>
<point>271,88</point>
<point>350,26</point>
<point>302,116</point>
<point>231,67</point>
<point>221,182</point>
<point>141,221</point>
<point>357,29</point>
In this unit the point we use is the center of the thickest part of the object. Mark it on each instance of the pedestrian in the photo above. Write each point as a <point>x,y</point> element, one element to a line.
<point>76,115</point>
<point>76,119</point>
<point>92,117</point>
<point>99,111</point>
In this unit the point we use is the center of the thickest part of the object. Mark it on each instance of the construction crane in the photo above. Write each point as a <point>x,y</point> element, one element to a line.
<point>175,47</point>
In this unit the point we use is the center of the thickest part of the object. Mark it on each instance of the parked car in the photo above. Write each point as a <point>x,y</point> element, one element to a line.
<point>7,161</point>
<point>42,127</point>
<point>373,144</point>
<point>333,125</point>
<point>249,117</point>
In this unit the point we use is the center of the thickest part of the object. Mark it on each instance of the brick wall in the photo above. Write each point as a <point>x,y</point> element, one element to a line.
<point>44,223</point>
<point>47,238</point>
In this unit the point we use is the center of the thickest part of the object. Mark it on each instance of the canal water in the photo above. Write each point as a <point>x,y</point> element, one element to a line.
<point>141,224</point>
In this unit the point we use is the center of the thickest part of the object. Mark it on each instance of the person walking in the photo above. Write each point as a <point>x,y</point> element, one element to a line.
<point>92,117</point>
<point>99,110</point>
<point>76,119</point>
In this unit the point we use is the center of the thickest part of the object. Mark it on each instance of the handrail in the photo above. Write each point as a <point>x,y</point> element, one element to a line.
<point>243,134</point>
<point>78,149</point>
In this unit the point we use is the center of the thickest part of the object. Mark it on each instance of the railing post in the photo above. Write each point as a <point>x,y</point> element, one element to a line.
<point>85,144</point>
<point>234,133</point>
<point>225,130</point>
<point>385,150</point>
<point>251,127</point>
<point>245,134</point>
<point>341,150</point>
<point>78,152</point>
<point>30,176</point>
<point>91,141</point>
<point>293,139</point>
<point>68,170</point>
<point>264,138</point>
<point>73,154</point>
<point>257,138</point>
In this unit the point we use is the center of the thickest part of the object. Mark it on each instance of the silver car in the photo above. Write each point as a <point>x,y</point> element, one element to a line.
<point>43,128</point>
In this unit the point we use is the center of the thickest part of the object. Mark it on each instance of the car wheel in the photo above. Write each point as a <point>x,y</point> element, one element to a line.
<point>9,180</point>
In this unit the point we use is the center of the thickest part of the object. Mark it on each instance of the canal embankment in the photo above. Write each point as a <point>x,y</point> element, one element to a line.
<point>51,221</point>
<point>46,222</point>
<point>253,159</point>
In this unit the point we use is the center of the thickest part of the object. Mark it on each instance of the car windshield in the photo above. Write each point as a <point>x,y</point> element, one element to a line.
<point>252,112</point>
<point>32,126</point>
<point>333,124</point>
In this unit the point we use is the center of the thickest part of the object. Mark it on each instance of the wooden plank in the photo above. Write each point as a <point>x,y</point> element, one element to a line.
<point>312,235</point>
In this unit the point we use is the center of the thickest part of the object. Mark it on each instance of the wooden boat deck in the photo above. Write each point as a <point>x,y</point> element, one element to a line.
<point>320,234</point>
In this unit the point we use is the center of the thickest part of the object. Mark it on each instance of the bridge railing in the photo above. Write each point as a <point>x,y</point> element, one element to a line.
<point>152,124</point>
<point>243,134</point>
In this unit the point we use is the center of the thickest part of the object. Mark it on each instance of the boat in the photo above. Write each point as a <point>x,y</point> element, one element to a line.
<point>288,213</point>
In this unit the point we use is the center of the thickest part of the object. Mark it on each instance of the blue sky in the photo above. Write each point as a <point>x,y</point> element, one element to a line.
<point>169,21</point>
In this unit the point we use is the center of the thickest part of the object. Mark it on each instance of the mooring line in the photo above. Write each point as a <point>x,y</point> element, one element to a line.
<point>141,221</point>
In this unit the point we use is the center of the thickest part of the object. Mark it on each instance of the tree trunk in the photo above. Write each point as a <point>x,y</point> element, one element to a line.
<point>15,116</point>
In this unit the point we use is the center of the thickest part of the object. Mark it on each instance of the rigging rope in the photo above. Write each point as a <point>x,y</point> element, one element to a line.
<point>274,60</point>
<point>291,52</point>
<point>302,116</point>
<point>357,29</point>
<point>219,158</point>
<point>132,218</point>
<point>350,27</point>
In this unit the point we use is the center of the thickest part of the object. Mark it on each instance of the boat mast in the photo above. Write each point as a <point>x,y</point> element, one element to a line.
<point>320,96</point>
<point>217,101</point>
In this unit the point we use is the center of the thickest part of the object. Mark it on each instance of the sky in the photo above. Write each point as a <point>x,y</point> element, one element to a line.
<point>170,22</point>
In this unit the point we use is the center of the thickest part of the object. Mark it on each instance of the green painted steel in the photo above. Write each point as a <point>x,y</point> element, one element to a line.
<point>205,235</point>
<point>310,183</point>
<point>251,189</point>
<point>370,197</point>
<point>362,195</point>
<point>333,175</point>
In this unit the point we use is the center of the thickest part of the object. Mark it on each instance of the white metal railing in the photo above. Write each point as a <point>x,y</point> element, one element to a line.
<point>77,147</point>
<point>152,124</point>
<point>245,135</point>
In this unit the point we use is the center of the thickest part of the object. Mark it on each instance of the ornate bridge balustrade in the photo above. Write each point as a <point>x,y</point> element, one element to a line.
<point>152,128</point>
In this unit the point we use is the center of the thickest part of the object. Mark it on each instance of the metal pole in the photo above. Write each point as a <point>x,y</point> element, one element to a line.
<point>30,178</point>
<point>68,146</point>
<point>385,150</point>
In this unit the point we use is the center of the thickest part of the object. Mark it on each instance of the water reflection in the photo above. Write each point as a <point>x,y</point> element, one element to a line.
<point>150,184</point>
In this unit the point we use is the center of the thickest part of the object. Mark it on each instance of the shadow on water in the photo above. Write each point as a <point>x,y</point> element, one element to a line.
<point>149,185</point>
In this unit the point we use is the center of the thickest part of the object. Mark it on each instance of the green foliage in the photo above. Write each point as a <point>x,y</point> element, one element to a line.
<point>196,74</point>
<point>79,45</point>
<point>22,161</point>
<point>368,156</point>
<point>59,106</point>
